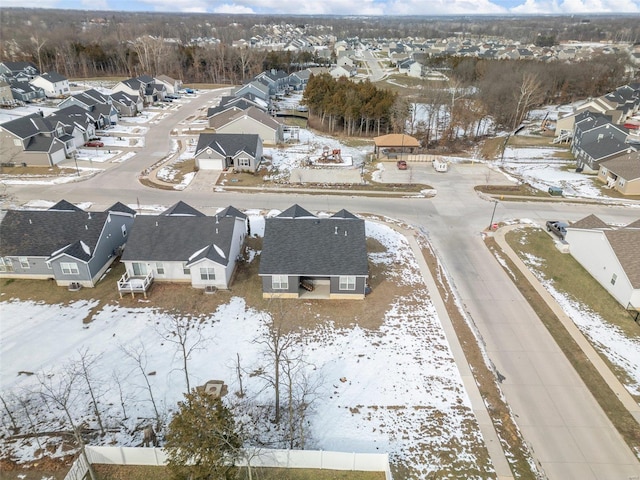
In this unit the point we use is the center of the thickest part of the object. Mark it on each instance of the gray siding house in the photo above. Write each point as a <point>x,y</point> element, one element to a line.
<point>184,245</point>
<point>64,243</point>
<point>220,151</point>
<point>304,255</point>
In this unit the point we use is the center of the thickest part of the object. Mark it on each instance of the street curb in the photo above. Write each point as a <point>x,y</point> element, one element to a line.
<point>594,357</point>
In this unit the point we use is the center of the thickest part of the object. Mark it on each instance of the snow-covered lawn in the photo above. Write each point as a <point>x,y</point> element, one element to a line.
<point>394,389</point>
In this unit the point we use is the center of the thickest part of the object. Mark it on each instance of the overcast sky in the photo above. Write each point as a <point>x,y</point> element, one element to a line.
<point>342,7</point>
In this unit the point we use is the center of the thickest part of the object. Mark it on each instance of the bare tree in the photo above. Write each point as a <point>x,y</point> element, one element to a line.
<point>10,414</point>
<point>276,342</point>
<point>61,392</point>
<point>38,45</point>
<point>138,354</point>
<point>187,336</point>
<point>530,94</point>
<point>84,367</point>
<point>117,379</point>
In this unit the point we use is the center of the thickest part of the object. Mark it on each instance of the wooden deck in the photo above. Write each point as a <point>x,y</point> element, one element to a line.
<point>133,285</point>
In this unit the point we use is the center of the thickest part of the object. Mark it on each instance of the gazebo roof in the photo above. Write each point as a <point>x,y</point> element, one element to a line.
<point>396,140</point>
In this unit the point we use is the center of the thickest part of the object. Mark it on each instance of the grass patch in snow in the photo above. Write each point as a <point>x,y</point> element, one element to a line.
<point>142,472</point>
<point>542,247</point>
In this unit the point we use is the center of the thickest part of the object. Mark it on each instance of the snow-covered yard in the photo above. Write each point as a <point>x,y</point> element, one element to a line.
<point>394,389</point>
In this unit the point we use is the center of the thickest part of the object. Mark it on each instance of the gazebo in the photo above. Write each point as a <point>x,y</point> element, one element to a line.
<point>393,144</point>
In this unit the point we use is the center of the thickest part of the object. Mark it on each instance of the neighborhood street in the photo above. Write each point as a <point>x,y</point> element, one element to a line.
<point>568,432</point>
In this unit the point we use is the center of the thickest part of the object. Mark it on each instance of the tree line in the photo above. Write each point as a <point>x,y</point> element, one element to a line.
<point>354,108</point>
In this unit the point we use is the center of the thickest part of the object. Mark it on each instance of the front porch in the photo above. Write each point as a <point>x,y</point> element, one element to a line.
<point>136,284</point>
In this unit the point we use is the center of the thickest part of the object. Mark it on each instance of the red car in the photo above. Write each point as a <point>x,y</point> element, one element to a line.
<point>94,143</point>
<point>401,164</point>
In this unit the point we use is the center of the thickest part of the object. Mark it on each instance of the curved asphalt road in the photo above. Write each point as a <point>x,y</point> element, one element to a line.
<point>569,434</point>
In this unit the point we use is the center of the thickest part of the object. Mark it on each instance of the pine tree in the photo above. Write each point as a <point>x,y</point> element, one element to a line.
<point>202,441</point>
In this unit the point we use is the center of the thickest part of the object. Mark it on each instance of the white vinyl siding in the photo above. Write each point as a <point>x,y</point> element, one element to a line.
<point>186,270</point>
<point>69,268</point>
<point>280,282</point>
<point>347,282</point>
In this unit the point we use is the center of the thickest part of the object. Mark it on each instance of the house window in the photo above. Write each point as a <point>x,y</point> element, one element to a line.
<point>17,142</point>
<point>69,268</point>
<point>207,273</point>
<point>186,270</point>
<point>6,265</point>
<point>124,230</point>
<point>280,282</point>
<point>244,162</point>
<point>160,268</point>
<point>621,182</point>
<point>613,279</point>
<point>347,282</point>
<point>139,269</point>
<point>24,262</point>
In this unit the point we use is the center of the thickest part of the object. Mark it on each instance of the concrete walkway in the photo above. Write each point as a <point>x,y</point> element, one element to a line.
<point>605,372</point>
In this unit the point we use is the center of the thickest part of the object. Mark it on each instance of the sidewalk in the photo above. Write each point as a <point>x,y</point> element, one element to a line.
<point>621,392</point>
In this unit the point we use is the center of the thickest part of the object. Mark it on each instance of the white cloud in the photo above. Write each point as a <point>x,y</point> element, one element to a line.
<point>233,8</point>
<point>577,6</point>
<point>443,7</point>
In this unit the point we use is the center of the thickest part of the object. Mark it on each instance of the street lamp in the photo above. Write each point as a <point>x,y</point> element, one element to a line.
<point>495,204</point>
<point>75,159</point>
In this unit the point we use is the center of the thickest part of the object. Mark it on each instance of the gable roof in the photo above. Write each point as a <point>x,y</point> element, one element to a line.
<point>624,243</point>
<point>589,222</point>
<point>296,211</point>
<point>228,144</point>
<point>182,209</point>
<point>343,214</point>
<point>302,244</point>
<point>45,233</point>
<point>231,212</point>
<point>53,77</point>
<point>64,206</point>
<point>635,224</point>
<point>626,166</point>
<point>121,208</point>
<point>250,113</point>
<point>180,238</point>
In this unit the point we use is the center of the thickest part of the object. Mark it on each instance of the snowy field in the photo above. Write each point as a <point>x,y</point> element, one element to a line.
<point>395,389</point>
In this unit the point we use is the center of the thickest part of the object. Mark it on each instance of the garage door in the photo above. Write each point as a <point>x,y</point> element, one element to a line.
<point>210,164</point>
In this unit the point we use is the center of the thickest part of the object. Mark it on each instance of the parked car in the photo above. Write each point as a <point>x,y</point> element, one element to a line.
<point>401,164</point>
<point>94,143</point>
<point>558,228</point>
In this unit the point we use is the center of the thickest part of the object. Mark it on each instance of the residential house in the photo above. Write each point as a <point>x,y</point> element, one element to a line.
<point>259,89</point>
<point>171,85</point>
<point>183,244</point>
<point>622,173</point>
<point>339,72</point>
<point>64,243</point>
<point>144,87</point>
<point>610,255</point>
<point>220,151</point>
<point>19,71</point>
<point>303,254</point>
<point>53,84</point>
<point>251,120</point>
<point>99,104</point>
<point>595,140</point>
<point>25,92</point>
<point>126,104</point>
<point>35,141</point>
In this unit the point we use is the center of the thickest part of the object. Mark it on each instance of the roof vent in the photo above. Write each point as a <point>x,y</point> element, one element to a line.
<point>345,233</point>
<point>30,222</point>
<point>156,223</point>
<point>86,227</point>
<point>335,231</point>
<point>216,231</point>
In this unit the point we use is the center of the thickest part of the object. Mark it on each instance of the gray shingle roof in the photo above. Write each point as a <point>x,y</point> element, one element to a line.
<point>121,207</point>
<point>53,77</point>
<point>311,246</point>
<point>627,166</point>
<point>45,232</point>
<point>229,144</point>
<point>182,209</point>
<point>158,238</point>
<point>231,212</point>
